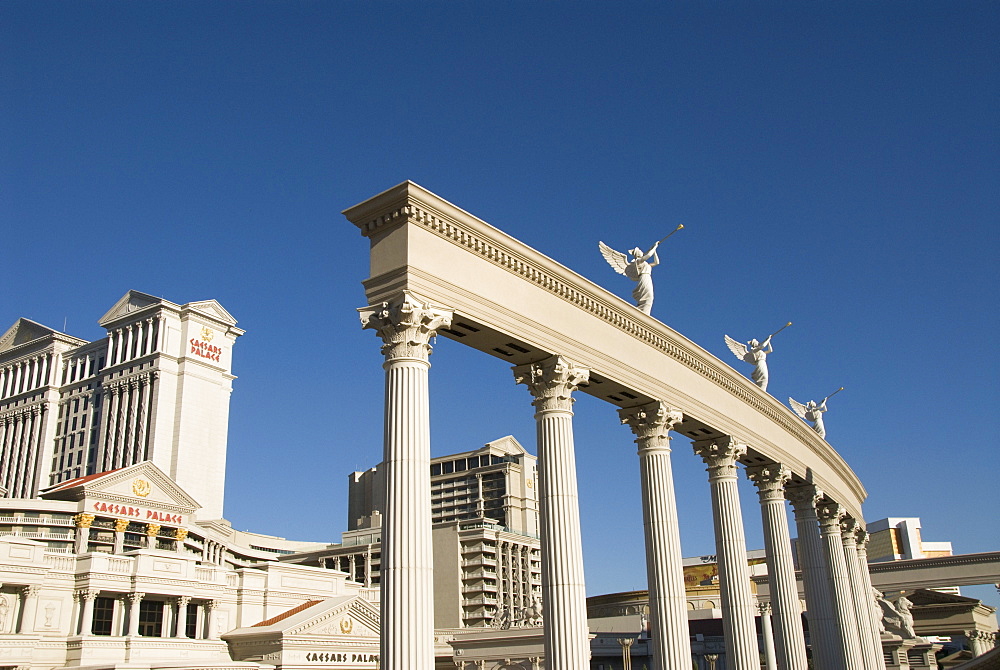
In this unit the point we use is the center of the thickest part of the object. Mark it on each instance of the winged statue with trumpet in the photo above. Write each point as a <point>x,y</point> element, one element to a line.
<point>813,411</point>
<point>639,269</point>
<point>755,353</point>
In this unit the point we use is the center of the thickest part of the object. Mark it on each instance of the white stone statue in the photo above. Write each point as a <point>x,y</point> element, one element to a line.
<point>639,269</point>
<point>755,353</point>
<point>533,612</point>
<point>812,411</point>
<point>896,617</point>
<point>503,619</point>
<point>877,600</point>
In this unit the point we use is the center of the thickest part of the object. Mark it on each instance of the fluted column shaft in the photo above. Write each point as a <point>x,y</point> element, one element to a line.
<point>826,653</point>
<point>669,640</point>
<point>868,597</point>
<point>738,626</point>
<point>407,606</point>
<point>180,629</point>
<point>767,632</point>
<point>871,657</point>
<point>790,645</point>
<point>552,382</point>
<point>830,513</point>
<point>30,608</point>
<point>211,609</point>
<point>135,600</point>
<point>87,618</point>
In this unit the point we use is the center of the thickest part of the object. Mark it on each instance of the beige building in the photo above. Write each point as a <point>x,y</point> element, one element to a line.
<point>484,507</point>
<point>899,538</point>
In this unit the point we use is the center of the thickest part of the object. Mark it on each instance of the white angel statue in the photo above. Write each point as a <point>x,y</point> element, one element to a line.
<point>639,270</point>
<point>755,353</point>
<point>812,411</point>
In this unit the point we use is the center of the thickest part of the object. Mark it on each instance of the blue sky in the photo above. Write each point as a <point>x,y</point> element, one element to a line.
<point>834,164</point>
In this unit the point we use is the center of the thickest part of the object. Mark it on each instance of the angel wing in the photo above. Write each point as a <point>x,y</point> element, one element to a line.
<point>799,408</point>
<point>615,259</point>
<point>739,349</point>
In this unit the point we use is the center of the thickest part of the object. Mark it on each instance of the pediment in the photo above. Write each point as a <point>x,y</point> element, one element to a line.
<point>131,302</point>
<point>355,617</point>
<point>213,309</point>
<point>349,615</point>
<point>23,331</point>
<point>507,444</point>
<point>142,484</point>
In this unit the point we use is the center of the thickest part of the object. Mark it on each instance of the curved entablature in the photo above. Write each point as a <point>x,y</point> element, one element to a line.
<point>519,305</point>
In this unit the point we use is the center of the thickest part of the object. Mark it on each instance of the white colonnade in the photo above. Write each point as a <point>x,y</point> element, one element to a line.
<point>515,303</point>
<point>835,581</point>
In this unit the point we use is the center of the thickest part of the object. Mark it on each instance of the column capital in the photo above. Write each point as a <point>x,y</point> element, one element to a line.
<point>849,527</point>
<point>406,326</point>
<point>211,605</point>
<point>31,591</point>
<point>83,520</point>
<point>651,423</point>
<point>183,601</point>
<point>552,382</point>
<point>87,594</point>
<point>763,608</point>
<point>121,525</point>
<point>152,529</point>
<point>829,513</point>
<point>770,480</point>
<point>861,538</point>
<point>803,496</point>
<point>136,597</point>
<point>720,454</point>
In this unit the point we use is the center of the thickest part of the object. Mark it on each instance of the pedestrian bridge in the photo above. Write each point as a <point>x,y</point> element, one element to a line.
<point>937,572</point>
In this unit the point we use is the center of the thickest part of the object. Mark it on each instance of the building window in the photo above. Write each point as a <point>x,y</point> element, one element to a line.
<point>191,625</point>
<point>151,618</point>
<point>104,614</point>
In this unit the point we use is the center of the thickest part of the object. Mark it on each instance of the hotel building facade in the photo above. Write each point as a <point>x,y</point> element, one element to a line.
<point>156,388</point>
<point>484,507</point>
<point>113,549</point>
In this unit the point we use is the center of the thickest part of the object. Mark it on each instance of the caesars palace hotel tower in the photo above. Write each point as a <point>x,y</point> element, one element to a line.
<point>156,388</point>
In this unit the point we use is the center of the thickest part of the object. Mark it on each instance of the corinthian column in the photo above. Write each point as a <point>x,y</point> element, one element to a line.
<point>407,608</point>
<point>731,549</point>
<point>664,568</point>
<point>790,644</point>
<point>552,382</point>
<point>819,606</point>
<point>830,514</point>
<point>874,617</point>
<point>871,656</point>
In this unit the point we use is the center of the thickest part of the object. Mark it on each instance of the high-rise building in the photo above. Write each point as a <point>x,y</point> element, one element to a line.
<point>898,538</point>
<point>484,509</point>
<point>156,388</point>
